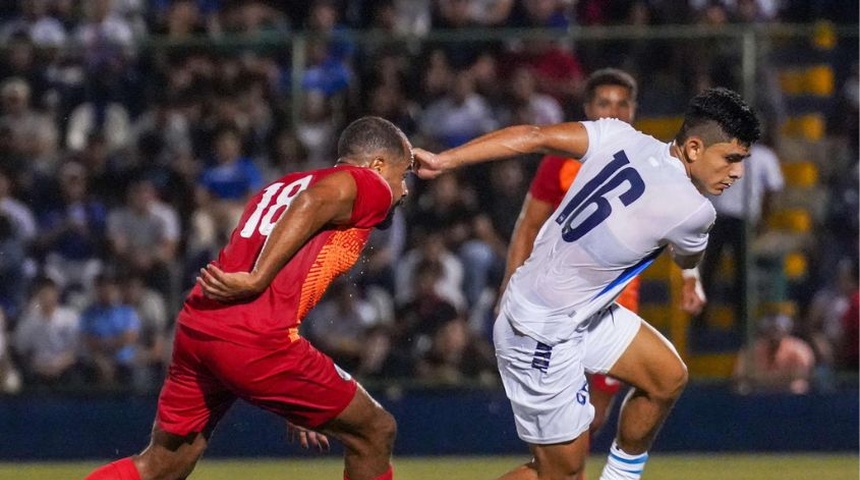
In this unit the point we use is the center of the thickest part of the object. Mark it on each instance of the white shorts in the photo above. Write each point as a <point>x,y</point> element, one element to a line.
<point>547,385</point>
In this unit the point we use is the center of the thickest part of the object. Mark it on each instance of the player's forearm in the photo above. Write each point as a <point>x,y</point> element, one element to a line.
<point>686,262</point>
<point>504,143</point>
<point>307,214</point>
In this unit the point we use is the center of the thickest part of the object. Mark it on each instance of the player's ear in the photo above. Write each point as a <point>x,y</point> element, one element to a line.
<point>377,163</point>
<point>694,147</point>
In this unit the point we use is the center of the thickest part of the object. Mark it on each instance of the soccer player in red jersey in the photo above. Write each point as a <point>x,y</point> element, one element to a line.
<point>237,334</point>
<point>609,93</point>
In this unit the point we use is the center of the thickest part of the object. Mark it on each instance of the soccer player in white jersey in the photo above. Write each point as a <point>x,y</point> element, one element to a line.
<point>633,197</point>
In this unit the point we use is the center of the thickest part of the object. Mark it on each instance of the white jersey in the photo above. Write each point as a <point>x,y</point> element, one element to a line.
<point>629,200</point>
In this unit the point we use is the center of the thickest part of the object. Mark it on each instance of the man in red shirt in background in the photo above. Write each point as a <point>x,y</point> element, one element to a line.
<point>609,93</point>
<point>237,334</point>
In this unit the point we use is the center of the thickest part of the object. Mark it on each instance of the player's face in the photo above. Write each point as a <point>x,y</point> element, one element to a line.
<point>718,166</point>
<point>395,172</point>
<point>611,101</point>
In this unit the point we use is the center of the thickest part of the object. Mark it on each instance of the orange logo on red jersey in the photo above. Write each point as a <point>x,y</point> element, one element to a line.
<point>338,255</point>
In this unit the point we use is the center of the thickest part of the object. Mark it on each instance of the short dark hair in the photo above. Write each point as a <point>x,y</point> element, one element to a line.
<point>723,108</point>
<point>368,135</point>
<point>610,76</point>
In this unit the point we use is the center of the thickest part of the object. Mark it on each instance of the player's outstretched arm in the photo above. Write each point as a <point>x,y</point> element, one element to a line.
<point>532,216</point>
<point>327,202</point>
<point>568,139</point>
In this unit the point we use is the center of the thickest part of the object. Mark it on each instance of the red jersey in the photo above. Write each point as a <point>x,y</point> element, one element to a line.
<point>273,317</point>
<point>553,178</point>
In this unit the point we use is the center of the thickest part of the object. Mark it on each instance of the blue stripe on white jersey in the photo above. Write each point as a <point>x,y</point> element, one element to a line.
<point>631,272</point>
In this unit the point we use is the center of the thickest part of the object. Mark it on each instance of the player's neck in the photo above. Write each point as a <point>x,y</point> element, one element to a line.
<point>678,153</point>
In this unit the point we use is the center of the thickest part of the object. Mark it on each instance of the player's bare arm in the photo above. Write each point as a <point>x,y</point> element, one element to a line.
<point>568,139</point>
<point>328,202</point>
<point>532,216</point>
<point>686,261</point>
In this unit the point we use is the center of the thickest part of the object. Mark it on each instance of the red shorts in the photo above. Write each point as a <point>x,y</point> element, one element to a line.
<point>605,384</point>
<point>207,374</point>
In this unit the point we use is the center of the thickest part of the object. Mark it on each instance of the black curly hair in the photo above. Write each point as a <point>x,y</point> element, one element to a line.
<point>368,135</point>
<point>719,115</point>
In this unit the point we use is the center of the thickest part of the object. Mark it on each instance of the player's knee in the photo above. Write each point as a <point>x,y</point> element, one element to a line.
<point>385,429</point>
<point>673,381</point>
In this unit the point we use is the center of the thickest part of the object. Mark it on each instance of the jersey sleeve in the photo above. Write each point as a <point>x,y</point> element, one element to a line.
<point>546,184</point>
<point>690,236</point>
<point>372,199</point>
<point>603,131</point>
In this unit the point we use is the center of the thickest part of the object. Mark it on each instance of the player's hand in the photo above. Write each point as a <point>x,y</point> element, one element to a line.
<point>227,287</point>
<point>427,165</point>
<point>308,438</point>
<point>693,296</point>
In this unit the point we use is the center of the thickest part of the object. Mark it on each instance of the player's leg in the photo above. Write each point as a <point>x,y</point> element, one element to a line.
<point>628,349</point>
<point>190,405</point>
<point>549,397</point>
<point>563,461</point>
<point>303,385</point>
<point>603,390</point>
<point>367,432</point>
<point>658,376</point>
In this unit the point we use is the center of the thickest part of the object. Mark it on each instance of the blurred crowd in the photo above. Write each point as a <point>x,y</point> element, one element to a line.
<point>129,145</point>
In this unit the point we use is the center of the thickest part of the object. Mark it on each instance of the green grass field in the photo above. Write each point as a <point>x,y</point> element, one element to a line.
<point>660,467</point>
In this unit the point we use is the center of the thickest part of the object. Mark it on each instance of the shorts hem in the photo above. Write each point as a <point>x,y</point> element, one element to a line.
<point>554,440</point>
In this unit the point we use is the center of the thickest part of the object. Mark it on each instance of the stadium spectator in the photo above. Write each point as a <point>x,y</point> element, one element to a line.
<point>110,330</point>
<point>47,339</point>
<point>337,324</point>
<point>317,128</point>
<point>776,361</point>
<point>152,342</point>
<point>36,22</point>
<point>32,135</point>
<point>143,237</point>
<point>823,326</point>
<point>13,276</point>
<point>18,212</point>
<point>418,319</point>
<point>71,238</point>
<point>457,117</point>
<point>456,356</point>
<point>527,105</point>
<point>430,247</point>
<point>229,181</point>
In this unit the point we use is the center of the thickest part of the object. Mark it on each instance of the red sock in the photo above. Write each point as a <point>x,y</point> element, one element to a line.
<point>119,470</point>
<point>388,475</point>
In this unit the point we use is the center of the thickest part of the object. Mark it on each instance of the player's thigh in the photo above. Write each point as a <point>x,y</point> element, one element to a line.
<point>651,363</point>
<point>607,338</point>
<point>192,399</point>
<point>295,381</point>
<point>190,404</point>
<point>545,384</point>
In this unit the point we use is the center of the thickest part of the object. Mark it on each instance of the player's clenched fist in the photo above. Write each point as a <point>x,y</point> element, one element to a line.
<point>428,165</point>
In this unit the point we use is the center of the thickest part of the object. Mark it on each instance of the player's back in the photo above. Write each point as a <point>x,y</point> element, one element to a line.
<point>629,199</point>
<point>274,315</point>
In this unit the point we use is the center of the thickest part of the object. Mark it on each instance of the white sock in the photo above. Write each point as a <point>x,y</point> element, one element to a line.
<point>623,466</point>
